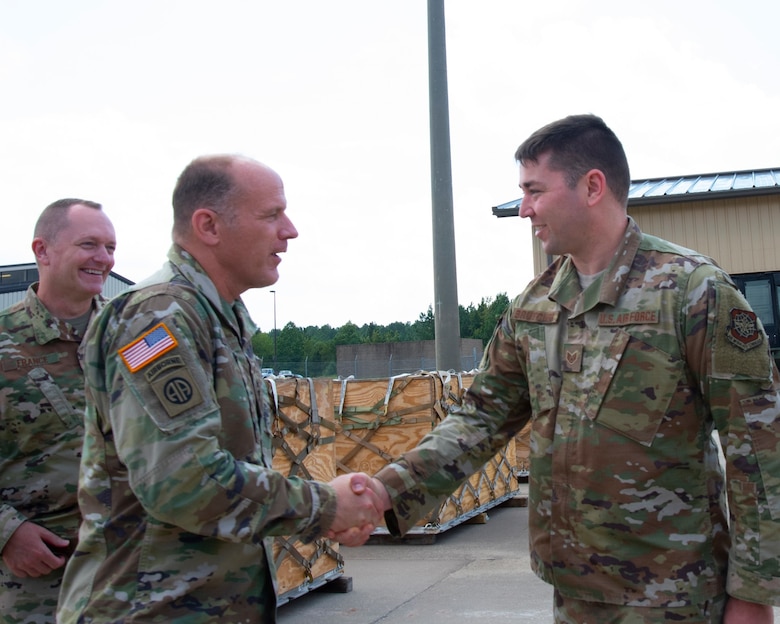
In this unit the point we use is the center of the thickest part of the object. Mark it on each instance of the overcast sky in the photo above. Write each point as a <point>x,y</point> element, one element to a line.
<point>109,100</point>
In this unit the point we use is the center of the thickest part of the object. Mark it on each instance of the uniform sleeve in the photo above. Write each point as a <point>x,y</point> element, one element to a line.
<point>493,410</point>
<point>741,386</point>
<point>189,438</point>
<point>10,517</point>
<point>10,520</point>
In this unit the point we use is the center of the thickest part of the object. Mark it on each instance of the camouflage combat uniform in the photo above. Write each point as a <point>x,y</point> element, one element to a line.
<point>624,383</point>
<point>41,431</point>
<point>176,489</point>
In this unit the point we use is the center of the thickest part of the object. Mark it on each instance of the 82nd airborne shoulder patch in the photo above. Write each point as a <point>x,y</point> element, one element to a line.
<point>743,331</point>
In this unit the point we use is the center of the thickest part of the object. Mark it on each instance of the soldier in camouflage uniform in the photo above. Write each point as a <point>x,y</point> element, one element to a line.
<point>626,353</point>
<point>177,492</point>
<point>42,405</point>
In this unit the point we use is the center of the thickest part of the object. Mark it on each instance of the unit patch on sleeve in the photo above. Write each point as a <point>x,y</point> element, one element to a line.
<point>174,386</point>
<point>148,347</point>
<point>743,329</point>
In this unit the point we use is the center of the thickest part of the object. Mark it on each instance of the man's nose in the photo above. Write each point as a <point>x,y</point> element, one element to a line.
<point>525,207</point>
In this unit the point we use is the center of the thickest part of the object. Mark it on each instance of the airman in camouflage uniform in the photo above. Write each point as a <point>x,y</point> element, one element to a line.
<point>42,406</point>
<point>177,492</point>
<point>625,362</point>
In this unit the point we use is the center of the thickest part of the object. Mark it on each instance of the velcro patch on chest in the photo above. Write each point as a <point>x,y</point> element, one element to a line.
<point>629,317</point>
<point>571,362</point>
<point>148,347</point>
<point>22,363</point>
<point>535,316</point>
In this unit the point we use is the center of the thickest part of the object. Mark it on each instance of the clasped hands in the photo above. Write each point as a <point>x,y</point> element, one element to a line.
<point>361,504</point>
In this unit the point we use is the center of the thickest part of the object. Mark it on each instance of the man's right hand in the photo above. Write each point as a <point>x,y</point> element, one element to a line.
<point>358,509</point>
<point>368,488</point>
<point>28,552</point>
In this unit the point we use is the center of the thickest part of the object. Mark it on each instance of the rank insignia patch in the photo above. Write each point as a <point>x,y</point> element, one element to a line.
<point>572,358</point>
<point>743,329</point>
<point>148,348</point>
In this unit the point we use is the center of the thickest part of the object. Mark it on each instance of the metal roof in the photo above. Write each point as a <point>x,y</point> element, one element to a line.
<point>686,188</point>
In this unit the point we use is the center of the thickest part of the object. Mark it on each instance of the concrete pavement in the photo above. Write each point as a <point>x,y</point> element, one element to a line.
<point>472,572</point>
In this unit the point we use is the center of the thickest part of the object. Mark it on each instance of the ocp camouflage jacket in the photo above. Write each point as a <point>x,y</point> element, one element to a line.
<point>176,487</point>
<point>625,384</point>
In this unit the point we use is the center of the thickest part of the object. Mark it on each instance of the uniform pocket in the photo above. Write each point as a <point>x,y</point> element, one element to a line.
<point>744,532</point>
<point>56,397</point>
<point>639,389</point>
<point>541,387</point>
<point>760,414</point>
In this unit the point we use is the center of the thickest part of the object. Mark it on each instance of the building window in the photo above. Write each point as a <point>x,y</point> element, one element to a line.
<point>17,279</point>
<point>18,276</point>
<point>762,290</point>
<point>759,295</point>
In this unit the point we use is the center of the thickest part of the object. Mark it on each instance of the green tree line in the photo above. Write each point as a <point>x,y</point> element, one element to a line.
<point>317,345</point>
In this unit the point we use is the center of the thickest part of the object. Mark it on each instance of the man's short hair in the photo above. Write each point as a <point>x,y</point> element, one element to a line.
<point>577,144</point>
<point>207,182</point>
<point>54,217</point>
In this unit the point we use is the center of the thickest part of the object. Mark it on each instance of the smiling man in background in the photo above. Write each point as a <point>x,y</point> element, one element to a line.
<point>42,405</point>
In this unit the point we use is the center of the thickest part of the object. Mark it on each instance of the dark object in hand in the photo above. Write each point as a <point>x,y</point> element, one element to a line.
<point>63,551</point>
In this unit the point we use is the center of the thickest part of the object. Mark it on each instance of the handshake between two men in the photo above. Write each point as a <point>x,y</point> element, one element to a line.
<point>361,503</point>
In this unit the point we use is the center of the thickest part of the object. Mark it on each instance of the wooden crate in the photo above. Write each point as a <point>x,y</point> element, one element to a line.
<point>379,419</point>
<point>523,445</point>
<point>304,436</point>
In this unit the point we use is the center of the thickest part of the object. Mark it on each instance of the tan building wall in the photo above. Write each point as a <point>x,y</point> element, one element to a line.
<point>742,234</point>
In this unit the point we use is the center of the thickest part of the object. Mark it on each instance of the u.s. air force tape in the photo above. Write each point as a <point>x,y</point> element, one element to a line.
<point>172,382</point>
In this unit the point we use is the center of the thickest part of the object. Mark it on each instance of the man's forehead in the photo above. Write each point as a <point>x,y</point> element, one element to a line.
<point>84,222</point>
<point>532,171</point>
<point>529,172</point>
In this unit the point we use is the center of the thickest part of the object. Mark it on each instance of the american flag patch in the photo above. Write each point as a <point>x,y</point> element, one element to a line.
<point>147,348</point>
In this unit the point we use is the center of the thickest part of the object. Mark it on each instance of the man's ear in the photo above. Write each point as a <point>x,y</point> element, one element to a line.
<point>205,226</point>
<point>41,251</point>
<point>596,185</point>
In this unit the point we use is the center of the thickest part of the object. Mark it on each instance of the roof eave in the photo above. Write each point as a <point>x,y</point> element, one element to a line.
<point>512,209</point>
<point>706,196</point>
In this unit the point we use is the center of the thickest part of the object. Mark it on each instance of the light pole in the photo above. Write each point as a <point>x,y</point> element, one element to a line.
<point>445,277</point>
<point>274,293</point>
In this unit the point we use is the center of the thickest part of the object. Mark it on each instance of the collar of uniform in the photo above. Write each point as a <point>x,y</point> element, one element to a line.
<point>237,317</point>
<point>613,282</point>
<point>567,292</point>
<point>245,321</point>
<point>45,326</point>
